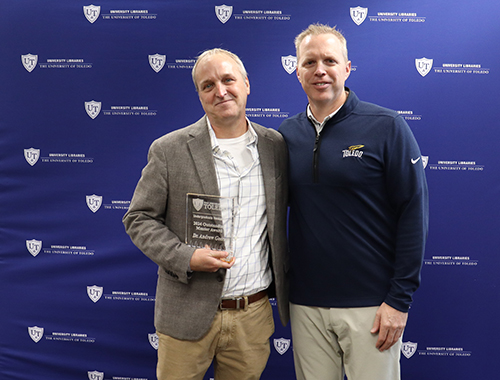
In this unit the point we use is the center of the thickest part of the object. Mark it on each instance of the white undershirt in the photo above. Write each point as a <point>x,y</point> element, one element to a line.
<point>238,149</point>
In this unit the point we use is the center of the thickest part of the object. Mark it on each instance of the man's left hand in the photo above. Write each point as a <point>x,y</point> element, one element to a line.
<point>389,324</point>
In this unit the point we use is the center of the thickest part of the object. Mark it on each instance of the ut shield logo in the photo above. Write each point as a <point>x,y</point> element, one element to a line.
<point>408,349</point>
<point>153,340</point>
<point>423,65</point>
<point>96,375</point>
<point>358,15</point>
<point>282,345</point>
<point>91,12</point>
<point>36,333</point>
<point>289,63</point>
<point>93,108</point>
<point>223,12</point>
<point>32,155</point>
<point>94,202</point>
<point>157,61</point>
<point>198,203</point>
<point>29,61</point>
<point>94,292</point>
<point>425,161</point>
<point>34,246</point>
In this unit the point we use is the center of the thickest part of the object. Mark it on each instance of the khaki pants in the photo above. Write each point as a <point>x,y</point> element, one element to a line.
<point>329,343</point>
<point>237,342</point>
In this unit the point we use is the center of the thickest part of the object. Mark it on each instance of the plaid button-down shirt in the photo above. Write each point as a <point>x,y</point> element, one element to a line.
<point>251,272</point>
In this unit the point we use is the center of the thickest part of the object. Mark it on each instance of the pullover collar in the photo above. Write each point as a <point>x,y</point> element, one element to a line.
<point>346,109</point>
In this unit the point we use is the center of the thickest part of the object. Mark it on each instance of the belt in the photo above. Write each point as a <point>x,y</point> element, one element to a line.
<point>241,303</point>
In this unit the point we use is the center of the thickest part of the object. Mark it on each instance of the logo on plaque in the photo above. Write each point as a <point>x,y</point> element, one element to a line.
<point>94,292</point>
<point>93,108</point>
<point>29,61</point>
<point>358,15</point>
<point>223,12</point>
<point>289,63</point>
<point>91,12</point>
<point>423,65</point>
<point>157,61</point>
<point>210,222</point>
<point>34,246</point>
<point>32,155</point>
<point>36,333</point>
<point>197,203</point>
<point>94,202</point>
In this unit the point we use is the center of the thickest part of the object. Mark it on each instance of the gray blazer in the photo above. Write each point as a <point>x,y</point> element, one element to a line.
<point>181,162</point>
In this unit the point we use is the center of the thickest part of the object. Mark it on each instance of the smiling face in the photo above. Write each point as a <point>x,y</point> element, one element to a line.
<point>322,70</point>
<point>222,90</point>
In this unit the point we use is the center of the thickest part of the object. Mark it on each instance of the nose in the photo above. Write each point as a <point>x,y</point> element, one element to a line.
<point>320,70</point>
<point>220,90</point>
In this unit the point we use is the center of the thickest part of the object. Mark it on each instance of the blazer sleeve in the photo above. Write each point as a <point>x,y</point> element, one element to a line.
<point>145,221</point>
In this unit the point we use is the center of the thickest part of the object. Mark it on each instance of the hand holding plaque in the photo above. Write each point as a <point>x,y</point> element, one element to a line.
<point>210,222</point>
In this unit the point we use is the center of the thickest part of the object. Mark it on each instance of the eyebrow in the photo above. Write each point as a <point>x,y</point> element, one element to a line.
<point>204,82</point>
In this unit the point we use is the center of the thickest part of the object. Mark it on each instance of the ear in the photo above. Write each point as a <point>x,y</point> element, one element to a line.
<point>347,69</point>
<point>247,83</point>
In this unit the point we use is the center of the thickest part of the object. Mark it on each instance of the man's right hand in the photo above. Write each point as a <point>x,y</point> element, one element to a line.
<point>206,260</point>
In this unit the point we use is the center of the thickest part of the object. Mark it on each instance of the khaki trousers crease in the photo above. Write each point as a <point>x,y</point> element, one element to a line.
<point>237,342</point>
<point>330,343</point>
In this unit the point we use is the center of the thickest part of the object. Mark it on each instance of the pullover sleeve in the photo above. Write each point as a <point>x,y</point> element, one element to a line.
<point>408,193</point>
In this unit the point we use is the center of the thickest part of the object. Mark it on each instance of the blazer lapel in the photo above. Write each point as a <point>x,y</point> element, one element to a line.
<point>268,166</point>
<point>200,148</point>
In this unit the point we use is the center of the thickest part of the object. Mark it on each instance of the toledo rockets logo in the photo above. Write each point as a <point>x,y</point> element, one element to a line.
<point>157,61</point>
<point>29,61</point>
<point>289,63</point>
<point>358,15</point>
<point>423,65</point>
<point>223,12</point>
<point>91,12</point>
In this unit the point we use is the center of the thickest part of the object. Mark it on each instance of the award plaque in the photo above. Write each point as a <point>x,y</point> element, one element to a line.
<point>210,222</point>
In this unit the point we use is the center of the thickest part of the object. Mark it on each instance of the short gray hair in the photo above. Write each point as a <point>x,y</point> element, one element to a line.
<point>211,53</point>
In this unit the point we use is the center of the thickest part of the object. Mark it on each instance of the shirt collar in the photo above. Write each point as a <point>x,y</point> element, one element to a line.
<point>319,126</point>
<point>215,143</point>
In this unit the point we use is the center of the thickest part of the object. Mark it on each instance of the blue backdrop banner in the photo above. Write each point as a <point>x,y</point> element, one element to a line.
<point>86,87</point>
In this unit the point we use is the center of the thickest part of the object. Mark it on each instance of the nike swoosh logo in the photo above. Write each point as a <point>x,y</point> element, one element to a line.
<point>414,161</point>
